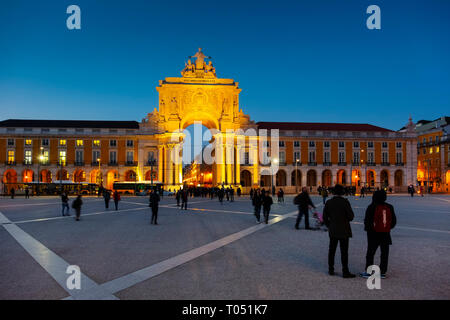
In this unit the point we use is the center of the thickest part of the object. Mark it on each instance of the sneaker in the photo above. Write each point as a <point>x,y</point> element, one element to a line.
<point>348,275</point>
<point>364,275</point>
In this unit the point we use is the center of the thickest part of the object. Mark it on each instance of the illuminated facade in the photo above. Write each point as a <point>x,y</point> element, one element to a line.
<point>433,154</point>
<point>306,154</point>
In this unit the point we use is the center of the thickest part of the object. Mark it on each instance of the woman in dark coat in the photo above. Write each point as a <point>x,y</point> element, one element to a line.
<point>378,239</point>
<point>76,204</point>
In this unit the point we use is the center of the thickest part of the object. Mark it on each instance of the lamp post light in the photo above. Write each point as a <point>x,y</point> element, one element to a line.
<point>40,159</point>
<point>296,178</point>
<point>100,180</point>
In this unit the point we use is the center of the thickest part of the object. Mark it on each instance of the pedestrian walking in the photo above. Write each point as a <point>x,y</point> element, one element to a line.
<point>280,195</point>
<point>363,191</point>
<point>116,198</point>
<point>266,203</point>
<point>251,193</point>
<point>13,193</point>
<point>231,194</point>
<point>107,197</point>
<point>154,205</point>
<point>27,193</point>
<point>337,215</point>
<point>257,202</point>
<point>76,204</point>
<point>303,201</point>
<point>238,192</point>
<point>65,203</point>
<point>178,197</point>
<point>379,220</point>
<point>184,199</point>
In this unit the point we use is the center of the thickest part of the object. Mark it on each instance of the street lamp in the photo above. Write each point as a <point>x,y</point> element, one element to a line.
<point>296,179</point>
<point>99,172</point>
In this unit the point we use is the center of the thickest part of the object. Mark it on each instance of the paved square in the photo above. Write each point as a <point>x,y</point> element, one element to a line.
<point>212,251</point>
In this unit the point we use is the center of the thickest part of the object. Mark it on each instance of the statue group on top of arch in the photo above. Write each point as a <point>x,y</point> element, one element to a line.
<point>200,67</point>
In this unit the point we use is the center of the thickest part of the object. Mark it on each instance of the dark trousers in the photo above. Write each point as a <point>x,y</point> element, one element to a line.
<point>258,213</point>
<point>154,214</point>
<point>266,211</point>
<point>65,205</point>
<point>372,245</point>
<point>116,203</point>
<point>184,205</point>
<point>343,243</point>
<point>78,213</point>
<point>302,212</point>
<point>106,204</point>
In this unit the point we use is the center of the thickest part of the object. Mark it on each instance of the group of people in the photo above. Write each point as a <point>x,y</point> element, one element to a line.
<point>379,220</point>
<point>261,199</point>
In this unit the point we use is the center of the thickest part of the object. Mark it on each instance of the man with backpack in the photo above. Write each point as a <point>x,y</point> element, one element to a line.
<point>380,219</point>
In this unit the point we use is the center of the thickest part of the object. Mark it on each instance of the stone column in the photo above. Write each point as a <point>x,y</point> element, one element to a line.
<point>229,162</point>
<point>238,165</point>
<point>160,164</point>
<point>169,165</point>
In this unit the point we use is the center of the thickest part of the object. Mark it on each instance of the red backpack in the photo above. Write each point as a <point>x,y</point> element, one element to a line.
<point>382,219</point>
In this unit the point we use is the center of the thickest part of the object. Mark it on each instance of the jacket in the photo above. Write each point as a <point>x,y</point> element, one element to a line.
<point>337,215</point>
<point>303,201</point>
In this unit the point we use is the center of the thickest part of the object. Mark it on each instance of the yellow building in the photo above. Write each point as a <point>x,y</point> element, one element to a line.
<point>243,153</point>
<point>433,155</point>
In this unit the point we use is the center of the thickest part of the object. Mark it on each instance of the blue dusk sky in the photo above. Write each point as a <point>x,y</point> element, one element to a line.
<point>306,61</point>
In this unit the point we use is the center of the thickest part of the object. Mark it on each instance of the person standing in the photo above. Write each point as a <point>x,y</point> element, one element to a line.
<point>257,202</point>
<point>13,192</point>
<point>363,191</point>
<point>76,204</point>
<point>184,199</point>
<point>65,203</point>
<point>324,194</point>
<point>221,194</point>
<point>238,192</point>
<point>27,193</point>
<point>154,205</point>
<point>266,203</point>
<point>107,197</point>
<point>231,194</point>
<point>337,215</point>
<point>379,220</point>
<point>303,201</point>
<point>116,198</point>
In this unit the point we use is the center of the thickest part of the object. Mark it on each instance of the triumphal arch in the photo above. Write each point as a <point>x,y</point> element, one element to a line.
<point>200,96</point>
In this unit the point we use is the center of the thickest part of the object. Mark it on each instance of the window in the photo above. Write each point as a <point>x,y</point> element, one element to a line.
<point>326,144</point>
<point>130,143</point>
<point>79,143</point>
<point>297,144</point>
<point>356,158</point>
<point>398,145</point>
<point>431,150</point>
<point>384,144</point>
<point>282,157</point>
<point>150,156</point>
<point>96,143</point>
<point>437,139</point>
<point>130,157</point>
<point>312,156</point>
<point>246,158</point>
<point>281,143</point>
<point>28,157</point>
<point>28,142</point>
<point>112,157</point>
<point>11,156</point>
<point>341,157</point>
<point>95,156</point>
<point>370,157</point>
<point>112,143</point>
<point>437,149</point>
<point>10,142</point>
<point>312,144</point>
<point>399,157</point>
<point>370,144</point>
<point>44,156</point>
<point>297,156</point>
<point>384,157</point>
<point>341,144</point>
<point>424,140</point>
<point>44,142</point>
<point>326,156</point>
<point>79,156</point>
<point>62,142</point>
<point>424,151</point>
<point>355,144</point>
<point>62,157</point>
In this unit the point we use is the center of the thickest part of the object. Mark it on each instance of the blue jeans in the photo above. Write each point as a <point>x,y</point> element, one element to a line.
<point>65,205</point>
